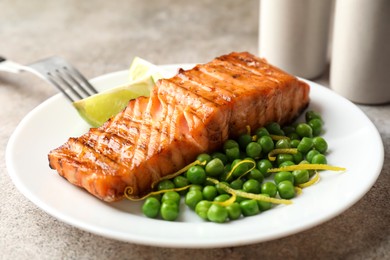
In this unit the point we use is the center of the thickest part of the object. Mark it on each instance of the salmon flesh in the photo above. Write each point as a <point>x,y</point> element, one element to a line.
<point>191,113</point>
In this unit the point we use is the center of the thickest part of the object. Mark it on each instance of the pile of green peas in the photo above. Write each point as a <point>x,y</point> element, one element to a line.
<point>243,165</point>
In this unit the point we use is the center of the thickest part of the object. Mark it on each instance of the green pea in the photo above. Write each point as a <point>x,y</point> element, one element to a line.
<point>310,115</point>
<point>264,205</point>
<point>284,157</point>
<point>244,140</point>
<point>180,181</point>
<point>203,157</point>
<point>228,144</point>
<point>169,210</point>
<point>171,195</point>
<point>219,189</point>
<point>222,197</point>
<point>316,125</point>
<point>214,167</point>
<point>196,175</point>
<point>232,153</point>
<point>263,166</point>
<point>311,154</point>
<point>151,207</point>
<point>304,162</point>
<point>320,144</point>
<point>286,163</point>
<point>236,184</point>
<point>267,144</point>
<point>300,176</point>
<point>269,188</point>
<point>319,159</point>
<point>282,144</point>
<point>253,150</point>
<point>239,167</point>
<point>202,207</point>
<point>195,187</point>
<point>249,207</point>
<point>253,161</point>
<point>304,130</point>
<point>239,198</point>
<point>220,156</point>
<point>156,196</point>
<point>217,213</point>
<point>286,190</point>
<point>256,175</point>
<point>283,176</point>
<point>209,192</point>
<point>294,143</point>
<point>305,145</point>
<point>234,211</point>
<point>293,136</point>
<point>192,198</point>
<point>274,128</point>
<point>262,131</point>
<point>227,168</point>
<point>165,185</point>
<point>297,157</point>
<point>252,186</point>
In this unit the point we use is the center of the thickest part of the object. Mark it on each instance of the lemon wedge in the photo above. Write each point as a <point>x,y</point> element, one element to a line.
<point>98,108</point>
<point>140,68</point>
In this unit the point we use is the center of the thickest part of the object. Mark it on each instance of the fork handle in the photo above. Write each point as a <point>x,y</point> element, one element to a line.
<point>10,66</point>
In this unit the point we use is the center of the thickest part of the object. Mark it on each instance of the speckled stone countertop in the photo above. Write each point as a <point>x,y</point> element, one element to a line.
<point>103,36</point>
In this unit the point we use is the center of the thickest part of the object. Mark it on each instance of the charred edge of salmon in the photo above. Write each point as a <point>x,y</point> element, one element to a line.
<point>178,136</point>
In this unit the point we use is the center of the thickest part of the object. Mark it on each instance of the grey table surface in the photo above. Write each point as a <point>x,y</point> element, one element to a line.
<point>103,36</point>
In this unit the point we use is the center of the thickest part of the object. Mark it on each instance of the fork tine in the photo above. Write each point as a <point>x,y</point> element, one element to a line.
<point>83,79</point>
<point>76,83</point>
<point>63,76</point>
<point>60,77</point>
<point>59,87</point>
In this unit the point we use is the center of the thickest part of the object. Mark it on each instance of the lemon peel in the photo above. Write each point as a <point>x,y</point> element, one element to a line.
<point>248,129</point>
<point>247,195</point>
<point>313,180</point>
<point>271,155</point>
<point>238,164</point>
<point>298,190</point>
<point>307,167</point>
<point>279,137</point>
<point>227,202</point>
<point>129,192</point>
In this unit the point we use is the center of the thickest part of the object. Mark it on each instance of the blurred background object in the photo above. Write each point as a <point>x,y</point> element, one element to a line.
<point>293,34</point>
<point>360,65</point>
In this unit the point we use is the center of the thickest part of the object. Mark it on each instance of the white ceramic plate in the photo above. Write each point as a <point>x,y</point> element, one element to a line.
<point>354,143</point>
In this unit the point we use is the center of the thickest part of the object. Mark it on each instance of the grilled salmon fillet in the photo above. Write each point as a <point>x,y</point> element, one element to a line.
<point>190,113</point>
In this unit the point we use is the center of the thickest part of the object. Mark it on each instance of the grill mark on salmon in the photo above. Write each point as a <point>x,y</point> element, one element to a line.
<point>193,82</point>
<point>186,97</point>
<point>245,84</point>
<point>191,113</point>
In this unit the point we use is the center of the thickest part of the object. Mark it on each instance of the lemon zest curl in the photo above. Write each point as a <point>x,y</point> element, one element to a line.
<point>272,157</point>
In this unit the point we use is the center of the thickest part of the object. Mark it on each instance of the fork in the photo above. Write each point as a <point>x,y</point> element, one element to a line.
<point>58,73</point>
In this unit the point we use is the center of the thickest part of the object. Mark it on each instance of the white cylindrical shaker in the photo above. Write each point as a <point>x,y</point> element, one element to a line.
<point>360,68</point>
<point>293,35</point>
